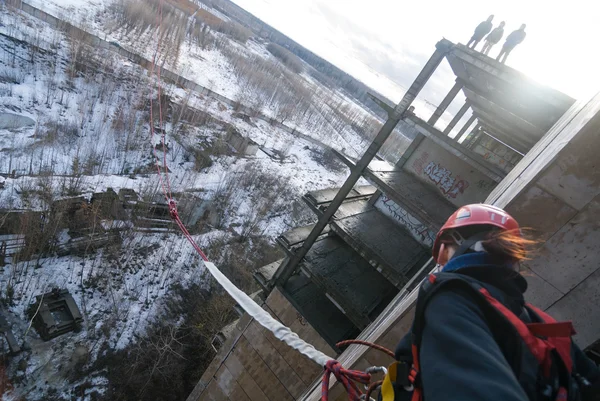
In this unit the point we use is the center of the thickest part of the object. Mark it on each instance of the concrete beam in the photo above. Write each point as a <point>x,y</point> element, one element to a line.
<point>445,103</point>
<point>457,118</point>
<point>442,48</point>
<point>512,77</point>
<point>465,127</point>
<point>381,103</point>
<point>504,133</point>
<point>514,132</point>
<point>457,150</point>
<point>483,103</point>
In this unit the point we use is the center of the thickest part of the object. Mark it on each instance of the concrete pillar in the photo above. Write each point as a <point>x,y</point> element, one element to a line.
<point>442,48</point>
<point>464,128</point>
<point>445,103</point>
<point>457,118</point>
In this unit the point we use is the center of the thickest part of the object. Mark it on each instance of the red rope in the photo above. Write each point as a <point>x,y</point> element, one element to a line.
<point>165,182</point>
<point>368,344</point>
<point>151,94</point>
<point>348,378</point>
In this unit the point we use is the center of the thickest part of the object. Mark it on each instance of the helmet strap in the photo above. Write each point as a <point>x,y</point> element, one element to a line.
<point>466,244</point>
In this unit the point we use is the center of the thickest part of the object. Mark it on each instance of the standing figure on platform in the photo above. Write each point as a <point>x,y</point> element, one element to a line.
<point>493,38</point>
<point>482,29</point>
<point>512,41</point>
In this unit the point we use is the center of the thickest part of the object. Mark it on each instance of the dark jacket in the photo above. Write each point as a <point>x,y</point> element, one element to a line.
<point>461,358</point>
<point>514,38</point>
<point>482,29</point>
<point>495,35</point>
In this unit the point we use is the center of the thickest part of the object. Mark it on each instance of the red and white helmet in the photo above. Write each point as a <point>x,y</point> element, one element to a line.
<point>475,214</point>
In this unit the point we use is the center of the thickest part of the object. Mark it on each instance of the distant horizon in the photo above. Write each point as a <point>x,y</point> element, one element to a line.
<point>358,40</point>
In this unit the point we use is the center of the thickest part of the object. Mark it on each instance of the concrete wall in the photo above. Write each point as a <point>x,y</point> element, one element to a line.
<point>253,365</point>
<point>398,214</point>
<point>496,153</point>
<point>557,192</point>
<point>242,144</point>
<point>455,179</point>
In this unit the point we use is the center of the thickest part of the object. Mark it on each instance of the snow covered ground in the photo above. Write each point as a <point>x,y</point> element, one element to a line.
<point>69,111</point>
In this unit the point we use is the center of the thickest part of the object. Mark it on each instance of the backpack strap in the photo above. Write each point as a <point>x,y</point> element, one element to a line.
<point>543,339</point>
<point>557,334</point>
<point>431,286</point>
<point>538,347</point>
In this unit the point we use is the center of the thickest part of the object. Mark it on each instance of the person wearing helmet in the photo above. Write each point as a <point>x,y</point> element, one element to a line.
<point>493,38</point>
<point>472,336</point>
<point>482,29</point>
<point>512,41</point>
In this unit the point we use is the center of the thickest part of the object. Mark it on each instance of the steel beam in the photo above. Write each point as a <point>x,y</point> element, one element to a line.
<point>442,48</point>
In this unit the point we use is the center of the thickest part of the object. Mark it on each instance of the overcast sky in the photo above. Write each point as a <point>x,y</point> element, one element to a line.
<point>385,43</point>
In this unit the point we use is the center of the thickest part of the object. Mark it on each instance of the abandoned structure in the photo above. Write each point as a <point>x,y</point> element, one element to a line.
<point>526,148</point>
<point>57,314</point>
<point>242,144</point>
<point>6,332</point>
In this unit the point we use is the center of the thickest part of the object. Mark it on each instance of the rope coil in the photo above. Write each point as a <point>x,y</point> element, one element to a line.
<point>347,377</point>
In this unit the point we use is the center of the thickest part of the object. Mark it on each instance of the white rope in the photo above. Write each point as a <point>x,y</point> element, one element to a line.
<point>280,331</point>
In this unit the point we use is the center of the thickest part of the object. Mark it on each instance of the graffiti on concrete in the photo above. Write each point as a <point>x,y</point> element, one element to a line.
<point>417,229</point>
<point>483,184</point>
<point>449,185</point>
<point>419,163</point>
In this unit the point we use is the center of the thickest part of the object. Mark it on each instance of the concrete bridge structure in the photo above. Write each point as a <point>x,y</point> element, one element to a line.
<point>353,274</point>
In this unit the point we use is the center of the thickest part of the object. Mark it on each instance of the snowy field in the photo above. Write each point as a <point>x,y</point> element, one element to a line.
<point>75,121</point>
<point>69,111</point>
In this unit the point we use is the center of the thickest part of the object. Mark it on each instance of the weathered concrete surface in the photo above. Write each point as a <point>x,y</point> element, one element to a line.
<point>497,154</point>
<point>453,178</point>
<point>555,190</point>
<point>448,144</point>
<point>582,305</point>
<point>419,199</point>
<point>252,365</point>
<point>300,296</point>
<point>297,235</point>
<point>348,279</point>
<point>503,98</point>
<point>326,195</point>
<point>387,246</point>
<point>572,253</point>
<point>312,304</point>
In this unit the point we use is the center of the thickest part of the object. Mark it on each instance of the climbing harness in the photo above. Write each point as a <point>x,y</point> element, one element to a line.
<point>546,347</point>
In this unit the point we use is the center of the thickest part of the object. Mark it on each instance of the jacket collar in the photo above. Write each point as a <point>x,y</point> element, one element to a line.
<point>485,268</point>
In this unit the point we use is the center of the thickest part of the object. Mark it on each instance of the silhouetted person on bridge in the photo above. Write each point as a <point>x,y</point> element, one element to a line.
<point>512,40</point>
<point>493,38</point>
<point>482,29</point>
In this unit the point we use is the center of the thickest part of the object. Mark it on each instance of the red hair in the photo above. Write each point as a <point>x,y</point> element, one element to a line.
<point>508,244</point>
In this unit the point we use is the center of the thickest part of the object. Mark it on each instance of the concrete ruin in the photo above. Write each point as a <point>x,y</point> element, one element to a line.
<point>527,148</point>
<point>243,145</point>
<point>6,331</point>
<point>55,313</point>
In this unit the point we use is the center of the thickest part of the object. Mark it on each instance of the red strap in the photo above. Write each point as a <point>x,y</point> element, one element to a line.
<point>417,391</point>
<point>559,335</point>
<point>562,329</point>
<point>538,347</point>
